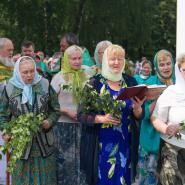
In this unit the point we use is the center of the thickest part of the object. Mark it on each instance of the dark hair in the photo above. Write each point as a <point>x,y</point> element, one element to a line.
<point>71,38</point>
<point>27,44</point>
<point>146,62</point>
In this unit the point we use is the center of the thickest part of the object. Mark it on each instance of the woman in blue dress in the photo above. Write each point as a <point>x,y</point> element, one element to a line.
<point>110,161</point>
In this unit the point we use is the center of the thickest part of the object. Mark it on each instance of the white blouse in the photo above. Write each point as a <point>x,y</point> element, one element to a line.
<point>65,97</point>
<point>171,115</point>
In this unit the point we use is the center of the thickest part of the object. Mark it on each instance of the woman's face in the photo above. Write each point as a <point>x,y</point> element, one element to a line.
<point>75,60</point>
<point>101,52</point>
<point>116,63</point>
<point>146,69</point>
<point>182,70</point>
<point>63,44</point>
<point>27,71</point>
<point>165,67</point>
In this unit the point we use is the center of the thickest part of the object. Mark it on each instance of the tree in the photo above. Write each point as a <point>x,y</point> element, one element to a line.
<point>141,27</point>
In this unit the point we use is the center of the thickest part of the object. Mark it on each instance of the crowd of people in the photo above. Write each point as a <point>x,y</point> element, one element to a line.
<point>81,146</point>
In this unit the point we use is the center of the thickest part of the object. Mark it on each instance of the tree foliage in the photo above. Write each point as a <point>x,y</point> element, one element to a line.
<point>141,27</point>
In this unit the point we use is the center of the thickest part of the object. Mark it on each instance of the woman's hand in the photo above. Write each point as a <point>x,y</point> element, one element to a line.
<point>137,103</point>
<point>71,114</point>
<point>6,137</point>
<point>107,119</point>
<point>172,129</point>
<point>46,124</point>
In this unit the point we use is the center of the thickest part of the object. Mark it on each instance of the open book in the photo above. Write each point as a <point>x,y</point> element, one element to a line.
<point>150,91</point>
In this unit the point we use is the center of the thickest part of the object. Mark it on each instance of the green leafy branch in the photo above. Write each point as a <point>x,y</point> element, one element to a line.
<point>21,130</point>
<point>178,135</point>
<point>102,101</point>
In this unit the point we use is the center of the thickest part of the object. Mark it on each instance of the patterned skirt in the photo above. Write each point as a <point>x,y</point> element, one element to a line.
<point>67,142</point>
<point>35,171</point>
<point>173,165</point>
<point>147,168</point>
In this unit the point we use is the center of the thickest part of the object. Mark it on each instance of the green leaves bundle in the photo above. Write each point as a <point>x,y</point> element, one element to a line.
<point>93,101</point>
<point>101,102</point>
<point>21,130</point>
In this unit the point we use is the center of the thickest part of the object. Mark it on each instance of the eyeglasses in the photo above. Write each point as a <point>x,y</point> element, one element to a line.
<point>100,52</point>
<point>182,70</point>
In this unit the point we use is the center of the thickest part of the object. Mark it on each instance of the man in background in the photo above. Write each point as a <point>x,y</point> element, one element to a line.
<point>6,70</point>
<point>28,48</point>
<point>6,62</point>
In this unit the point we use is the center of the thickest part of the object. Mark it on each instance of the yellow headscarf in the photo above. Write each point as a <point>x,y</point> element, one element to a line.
<point>74,77</point>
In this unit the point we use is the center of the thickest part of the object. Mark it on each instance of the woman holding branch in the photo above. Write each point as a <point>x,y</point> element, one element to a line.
<point>68,84</point>
<point>169,119</point>
<point>27,92</point>
<point>105,141</point>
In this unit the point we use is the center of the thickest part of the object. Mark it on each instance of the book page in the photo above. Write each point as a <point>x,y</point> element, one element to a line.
<point>156,86</point>
<point>154,91</point>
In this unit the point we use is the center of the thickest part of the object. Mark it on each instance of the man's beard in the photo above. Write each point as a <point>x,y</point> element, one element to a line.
<point>6,61</point>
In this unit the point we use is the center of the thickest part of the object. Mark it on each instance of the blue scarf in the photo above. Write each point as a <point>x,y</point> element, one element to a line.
<point>17,81</point>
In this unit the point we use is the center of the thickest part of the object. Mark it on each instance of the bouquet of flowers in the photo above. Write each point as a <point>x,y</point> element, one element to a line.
<point>21,130</point>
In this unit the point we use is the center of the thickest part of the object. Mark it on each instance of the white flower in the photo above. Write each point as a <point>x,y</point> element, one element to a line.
<point>102,90</point>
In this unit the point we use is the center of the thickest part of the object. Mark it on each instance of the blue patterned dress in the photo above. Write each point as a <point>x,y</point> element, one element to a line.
<point>114,149</point>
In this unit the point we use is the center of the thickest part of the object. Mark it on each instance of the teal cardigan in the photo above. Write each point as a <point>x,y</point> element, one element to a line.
<point>149,137</point>
<point>147,81</point>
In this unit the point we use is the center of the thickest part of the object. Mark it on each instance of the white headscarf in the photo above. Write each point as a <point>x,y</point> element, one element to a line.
<point>107,72</point>
<point>174,95</point>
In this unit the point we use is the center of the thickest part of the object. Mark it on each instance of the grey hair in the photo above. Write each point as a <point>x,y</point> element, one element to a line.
<point>70,50</point>
<point>3,41</point>
<point>25,59</point>
<point>98,46</point>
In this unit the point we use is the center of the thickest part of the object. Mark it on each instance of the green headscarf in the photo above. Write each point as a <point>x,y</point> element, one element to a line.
<point>76,78</point>
<point>157,68</point>
<point>107,72</point>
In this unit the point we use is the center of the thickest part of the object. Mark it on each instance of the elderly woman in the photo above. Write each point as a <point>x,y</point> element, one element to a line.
<point>105,147</point>
<point>98,53</point>
<point>149,137</point>
<point>144,76</point>
<point>68,85</point>
<point>28,92</point>
<point>166,118</point>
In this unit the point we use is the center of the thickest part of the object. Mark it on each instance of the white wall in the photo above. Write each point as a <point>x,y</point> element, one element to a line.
<point>180,36</point>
